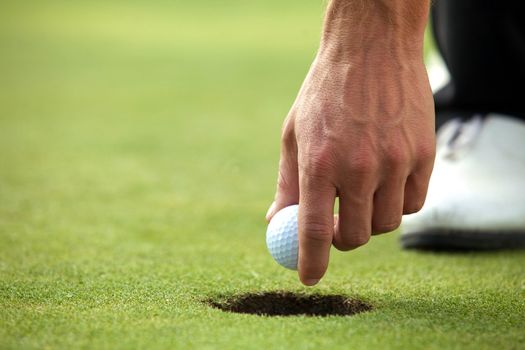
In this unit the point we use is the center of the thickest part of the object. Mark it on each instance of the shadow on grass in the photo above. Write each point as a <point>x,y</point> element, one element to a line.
<point>290,304</point>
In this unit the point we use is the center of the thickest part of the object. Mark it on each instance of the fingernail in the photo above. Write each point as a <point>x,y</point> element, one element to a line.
<point>269,213</point>
<point>311,282</point>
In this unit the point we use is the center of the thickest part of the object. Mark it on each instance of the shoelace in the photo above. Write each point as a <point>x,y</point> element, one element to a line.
<point>456,137</point>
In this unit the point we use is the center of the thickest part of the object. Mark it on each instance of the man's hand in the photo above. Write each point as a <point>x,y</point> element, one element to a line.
<point>361,129</point>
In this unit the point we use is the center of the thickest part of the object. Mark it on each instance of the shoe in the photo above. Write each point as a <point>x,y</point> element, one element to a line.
<point>476,196</point>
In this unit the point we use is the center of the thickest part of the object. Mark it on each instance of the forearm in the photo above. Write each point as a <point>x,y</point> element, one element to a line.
<point>373,27</point>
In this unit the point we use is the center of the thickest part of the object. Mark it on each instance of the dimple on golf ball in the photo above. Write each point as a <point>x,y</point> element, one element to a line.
<point>282,237</point>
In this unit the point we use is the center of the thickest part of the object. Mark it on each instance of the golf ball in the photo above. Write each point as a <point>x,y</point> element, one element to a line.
<point>282,237</point>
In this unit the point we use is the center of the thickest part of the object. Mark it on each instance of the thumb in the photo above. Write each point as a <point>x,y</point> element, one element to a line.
<point>288,180</point>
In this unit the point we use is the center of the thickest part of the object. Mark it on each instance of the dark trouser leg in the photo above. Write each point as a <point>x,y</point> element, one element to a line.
<point>483,45</point>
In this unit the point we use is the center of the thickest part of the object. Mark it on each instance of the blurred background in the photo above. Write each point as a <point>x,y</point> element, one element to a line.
<point>103,102</point>
<point>139,143</point>
<point>122,100</point>
<point>149,121</point>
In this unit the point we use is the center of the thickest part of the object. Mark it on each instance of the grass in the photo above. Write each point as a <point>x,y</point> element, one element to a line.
<point>138,152</point>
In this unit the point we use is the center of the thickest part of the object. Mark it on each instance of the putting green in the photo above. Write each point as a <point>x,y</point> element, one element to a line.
<point>138,152</point>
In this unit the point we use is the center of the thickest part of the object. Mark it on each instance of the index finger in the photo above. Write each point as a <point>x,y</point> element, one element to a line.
<point>316,227</point>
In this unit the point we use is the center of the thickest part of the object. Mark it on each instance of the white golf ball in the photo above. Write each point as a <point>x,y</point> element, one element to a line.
<point>282,237</point>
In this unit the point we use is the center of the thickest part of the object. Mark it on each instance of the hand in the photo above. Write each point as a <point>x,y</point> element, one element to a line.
<point>361,129</point>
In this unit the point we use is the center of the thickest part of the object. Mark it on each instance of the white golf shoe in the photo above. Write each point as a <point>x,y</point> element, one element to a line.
<point>476,196</point>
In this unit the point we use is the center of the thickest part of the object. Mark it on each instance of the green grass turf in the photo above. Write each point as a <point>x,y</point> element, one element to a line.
<point>138,152</point>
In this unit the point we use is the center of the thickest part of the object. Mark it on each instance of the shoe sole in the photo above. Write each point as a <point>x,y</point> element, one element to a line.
<point>441,239</point>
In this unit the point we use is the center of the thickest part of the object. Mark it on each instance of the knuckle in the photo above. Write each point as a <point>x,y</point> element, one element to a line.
<point>317,231</point>
<point>318,162</point>
<point>426,152</point>
<point>397,157</point>
<point>364,165</point>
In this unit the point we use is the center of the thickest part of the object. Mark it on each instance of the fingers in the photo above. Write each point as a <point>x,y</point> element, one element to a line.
<point>316,228</point>
<point>388,205</point>
<point>416,188</point>
<point>353,227</point>
<point>288,180</point>
<point>415,192</point>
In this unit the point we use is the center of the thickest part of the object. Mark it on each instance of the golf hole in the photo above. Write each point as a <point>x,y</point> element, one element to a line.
<point>290,304</point>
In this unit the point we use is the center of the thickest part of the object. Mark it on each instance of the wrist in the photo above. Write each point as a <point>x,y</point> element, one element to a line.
<point>374,29</point>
